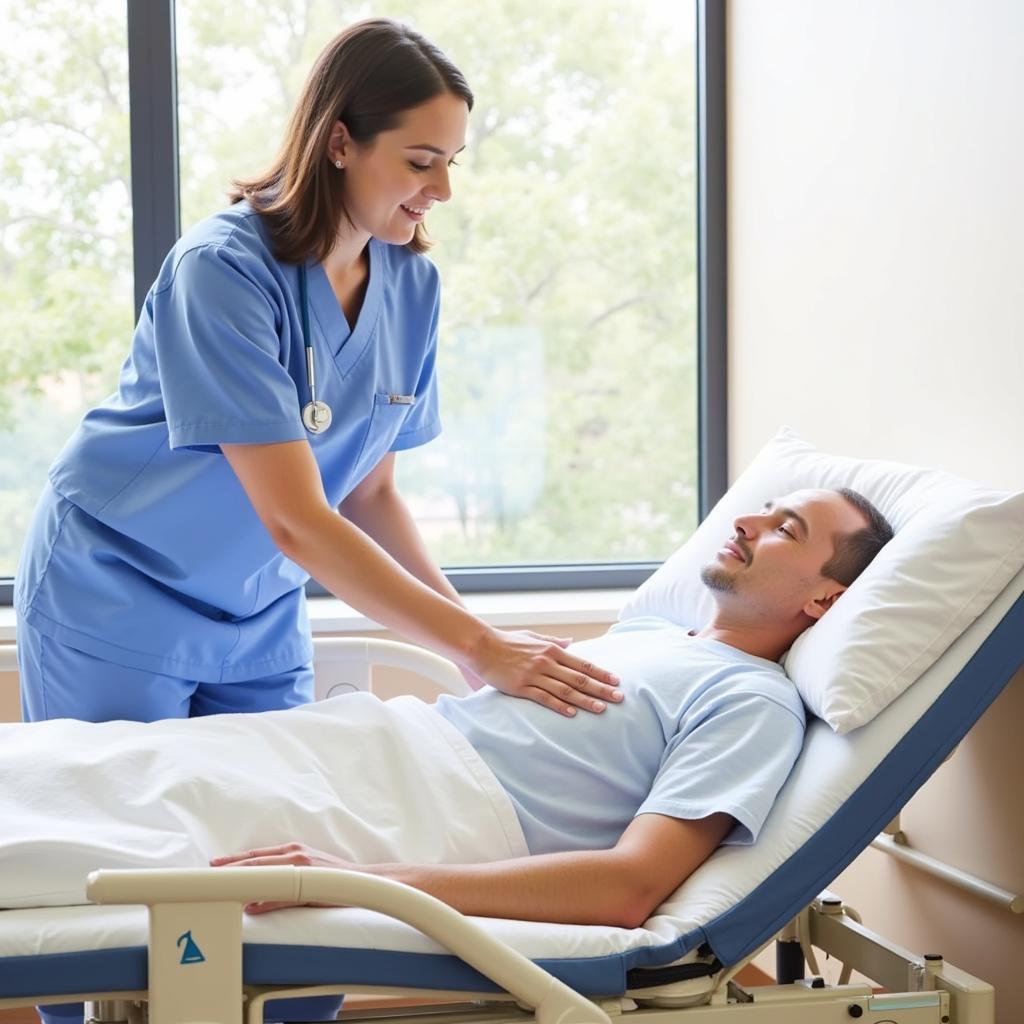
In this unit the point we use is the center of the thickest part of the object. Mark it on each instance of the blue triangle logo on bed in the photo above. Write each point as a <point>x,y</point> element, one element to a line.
<point>192,954</point>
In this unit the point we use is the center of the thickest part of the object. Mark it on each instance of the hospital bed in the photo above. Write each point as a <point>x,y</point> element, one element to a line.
<point>191,956</point>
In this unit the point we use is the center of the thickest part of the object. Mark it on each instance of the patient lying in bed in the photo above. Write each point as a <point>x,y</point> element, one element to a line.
<point>490,803</point>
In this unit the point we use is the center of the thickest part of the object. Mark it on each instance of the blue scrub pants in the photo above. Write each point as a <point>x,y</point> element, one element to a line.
<point>58,681</point>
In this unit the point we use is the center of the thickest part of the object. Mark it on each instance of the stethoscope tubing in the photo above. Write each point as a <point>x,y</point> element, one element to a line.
<point>316,416</point>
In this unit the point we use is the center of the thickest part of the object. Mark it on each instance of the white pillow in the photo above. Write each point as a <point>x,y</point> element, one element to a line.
<point>957,545</point>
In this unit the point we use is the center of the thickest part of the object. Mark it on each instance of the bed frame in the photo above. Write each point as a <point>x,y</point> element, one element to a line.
<point>195,941</point>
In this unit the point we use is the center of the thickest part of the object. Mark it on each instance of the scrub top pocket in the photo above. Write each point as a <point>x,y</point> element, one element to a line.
<point>389,412</point>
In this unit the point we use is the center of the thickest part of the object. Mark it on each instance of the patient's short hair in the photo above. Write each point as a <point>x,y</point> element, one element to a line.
<point>854,551</point>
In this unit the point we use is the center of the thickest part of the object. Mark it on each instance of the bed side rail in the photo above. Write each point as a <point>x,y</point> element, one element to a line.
<point>195,941</point>
<point>345,664</point>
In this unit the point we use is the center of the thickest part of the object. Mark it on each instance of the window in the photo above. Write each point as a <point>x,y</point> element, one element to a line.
<point>65,235</point>
<point>568,258</point>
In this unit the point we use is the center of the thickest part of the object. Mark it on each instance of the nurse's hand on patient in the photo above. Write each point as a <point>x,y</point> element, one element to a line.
<point>539,668</point>
<point>288,854</point>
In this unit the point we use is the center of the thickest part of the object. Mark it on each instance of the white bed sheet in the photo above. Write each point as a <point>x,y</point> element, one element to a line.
<point>369,780</point>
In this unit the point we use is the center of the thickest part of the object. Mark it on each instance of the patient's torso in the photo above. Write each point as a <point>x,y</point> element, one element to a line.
<point>703,728</point>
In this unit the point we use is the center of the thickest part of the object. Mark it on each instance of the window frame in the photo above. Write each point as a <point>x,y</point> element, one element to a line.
<point>152,83</point>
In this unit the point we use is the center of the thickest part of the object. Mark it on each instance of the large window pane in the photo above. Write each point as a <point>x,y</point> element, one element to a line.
<point>65,235</point>
<point>567,257</point>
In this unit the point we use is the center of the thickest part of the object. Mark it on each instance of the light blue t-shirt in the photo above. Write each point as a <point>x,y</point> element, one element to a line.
<point>147,551</point>
<point>703,728</point>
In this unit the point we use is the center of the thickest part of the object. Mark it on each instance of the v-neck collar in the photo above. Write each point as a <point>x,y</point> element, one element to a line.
<point>345,344</point>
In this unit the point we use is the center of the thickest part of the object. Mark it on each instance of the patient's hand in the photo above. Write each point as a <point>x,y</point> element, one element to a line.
<point>296,854</point>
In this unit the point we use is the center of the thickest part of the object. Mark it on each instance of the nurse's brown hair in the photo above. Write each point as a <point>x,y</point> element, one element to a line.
<point>367,77</point>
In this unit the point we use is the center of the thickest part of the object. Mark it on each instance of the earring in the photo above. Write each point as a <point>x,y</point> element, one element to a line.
<point>339,165</point>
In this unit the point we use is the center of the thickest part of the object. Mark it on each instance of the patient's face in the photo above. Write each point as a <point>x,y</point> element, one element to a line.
<point>771,565</point>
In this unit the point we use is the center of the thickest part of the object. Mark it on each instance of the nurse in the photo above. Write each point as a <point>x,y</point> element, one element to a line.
<point>284,355</point>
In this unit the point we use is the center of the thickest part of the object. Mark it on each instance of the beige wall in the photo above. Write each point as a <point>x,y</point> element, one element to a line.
<point>10,703</point>
<point>876,162</point>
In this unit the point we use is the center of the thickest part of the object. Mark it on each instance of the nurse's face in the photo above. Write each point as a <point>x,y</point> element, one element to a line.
<point>393,181</point>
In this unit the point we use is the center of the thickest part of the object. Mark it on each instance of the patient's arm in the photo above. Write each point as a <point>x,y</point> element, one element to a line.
<point>620,886</point>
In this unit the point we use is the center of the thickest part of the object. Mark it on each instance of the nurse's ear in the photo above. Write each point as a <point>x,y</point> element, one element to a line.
<point>340,145</point>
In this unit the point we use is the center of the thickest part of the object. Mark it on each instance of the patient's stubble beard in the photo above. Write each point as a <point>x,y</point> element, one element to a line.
<point>714,577</point>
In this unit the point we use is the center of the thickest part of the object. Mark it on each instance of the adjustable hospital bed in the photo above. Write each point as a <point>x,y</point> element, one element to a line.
<point>193,956</point>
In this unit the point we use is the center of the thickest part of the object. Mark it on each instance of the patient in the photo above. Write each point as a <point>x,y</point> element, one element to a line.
<point>615,810</point>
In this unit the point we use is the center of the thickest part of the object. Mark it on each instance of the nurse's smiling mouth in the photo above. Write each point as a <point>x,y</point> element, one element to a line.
<point>416,213</point>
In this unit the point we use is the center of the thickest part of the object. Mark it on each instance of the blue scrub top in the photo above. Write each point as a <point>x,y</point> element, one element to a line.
<point>147,551</point>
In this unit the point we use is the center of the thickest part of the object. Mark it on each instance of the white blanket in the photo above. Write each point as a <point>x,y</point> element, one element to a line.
<point>367,780</point>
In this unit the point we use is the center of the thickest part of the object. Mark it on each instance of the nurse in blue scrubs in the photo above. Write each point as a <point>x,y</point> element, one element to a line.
<point>163,572</point>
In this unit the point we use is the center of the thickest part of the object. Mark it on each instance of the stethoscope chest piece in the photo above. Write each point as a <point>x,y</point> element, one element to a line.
<point>316,417</point>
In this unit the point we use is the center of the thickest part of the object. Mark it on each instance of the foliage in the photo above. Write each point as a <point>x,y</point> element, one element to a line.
<point>567,254</point>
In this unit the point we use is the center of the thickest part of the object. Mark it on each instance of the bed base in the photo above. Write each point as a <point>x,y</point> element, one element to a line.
<point>208,904</point>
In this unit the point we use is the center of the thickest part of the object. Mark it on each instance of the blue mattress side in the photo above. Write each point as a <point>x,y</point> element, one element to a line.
<point>52,974</point>
<point>126,969</point>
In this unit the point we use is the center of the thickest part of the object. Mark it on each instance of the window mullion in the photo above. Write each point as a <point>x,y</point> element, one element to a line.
<point>154,138</point>
<point>712,270</point>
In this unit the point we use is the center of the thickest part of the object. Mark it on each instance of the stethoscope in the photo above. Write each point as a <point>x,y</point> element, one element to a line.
<point>316,415</point>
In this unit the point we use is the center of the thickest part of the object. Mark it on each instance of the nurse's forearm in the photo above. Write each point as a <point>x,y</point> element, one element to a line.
<point>284,484</point>
<point>386,518</point>
<point>356,569</point>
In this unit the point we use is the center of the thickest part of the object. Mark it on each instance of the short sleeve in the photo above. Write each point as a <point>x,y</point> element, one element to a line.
<point>218,351</point>
<point>734,761</point>
<point>423,423</point>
